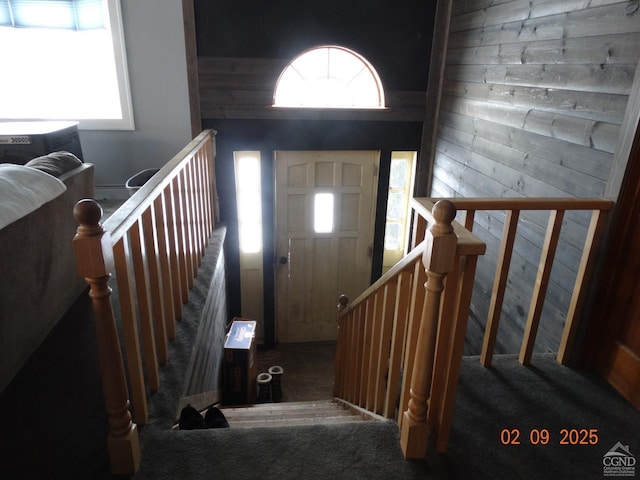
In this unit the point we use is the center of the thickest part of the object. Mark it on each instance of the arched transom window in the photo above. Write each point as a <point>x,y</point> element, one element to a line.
<point>329,77</point>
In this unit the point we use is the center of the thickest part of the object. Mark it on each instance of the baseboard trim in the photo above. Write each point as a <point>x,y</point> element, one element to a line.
<point>111,192</point>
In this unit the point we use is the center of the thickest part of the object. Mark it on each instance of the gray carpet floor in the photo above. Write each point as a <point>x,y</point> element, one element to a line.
<point>526,402</point>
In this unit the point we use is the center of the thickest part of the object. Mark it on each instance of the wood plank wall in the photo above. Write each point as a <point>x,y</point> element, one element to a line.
<point>242,88</point>
<point>533,98</point>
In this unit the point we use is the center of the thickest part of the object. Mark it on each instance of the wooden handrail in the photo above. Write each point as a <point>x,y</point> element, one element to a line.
<point>517,203</point>
<point>557,208</point>
<point>123,218</point>
<point>398,351</point>
<point>154,244</point>
<point>388,338</point>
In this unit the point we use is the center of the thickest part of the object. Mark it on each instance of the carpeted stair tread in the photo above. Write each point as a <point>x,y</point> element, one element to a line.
<point>274,407</point>
<point>291,422</point>
<point>290,413</point>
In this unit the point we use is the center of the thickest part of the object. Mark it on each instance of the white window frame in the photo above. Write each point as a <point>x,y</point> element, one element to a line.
<point>326,77</point>
<point>113,19</point>
<point>391,257</point>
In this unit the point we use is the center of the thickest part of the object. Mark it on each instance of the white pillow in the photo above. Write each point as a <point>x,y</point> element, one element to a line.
<point>23,190</point>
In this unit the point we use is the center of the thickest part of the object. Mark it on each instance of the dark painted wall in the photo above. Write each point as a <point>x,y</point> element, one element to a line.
<point>268,136</point>
<point>394,37</point>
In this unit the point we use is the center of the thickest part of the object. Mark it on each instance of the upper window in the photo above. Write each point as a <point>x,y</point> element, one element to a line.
<point>64,60</point>
<point>329,77</point>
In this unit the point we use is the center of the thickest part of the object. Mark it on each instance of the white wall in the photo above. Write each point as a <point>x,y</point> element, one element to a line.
<point>154,37</point>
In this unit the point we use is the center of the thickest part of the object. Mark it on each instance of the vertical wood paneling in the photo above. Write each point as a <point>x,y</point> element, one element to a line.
<point>534,97</point>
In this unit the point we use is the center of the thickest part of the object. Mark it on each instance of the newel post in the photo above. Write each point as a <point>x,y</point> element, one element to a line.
<point>93,262</point>
<point>343,302</point>
<point>438,259</point>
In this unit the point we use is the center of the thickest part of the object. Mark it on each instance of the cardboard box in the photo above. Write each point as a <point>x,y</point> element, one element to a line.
<point>240,363</point>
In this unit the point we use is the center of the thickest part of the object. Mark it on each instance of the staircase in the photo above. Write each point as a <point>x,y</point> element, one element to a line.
<point>321,412</point>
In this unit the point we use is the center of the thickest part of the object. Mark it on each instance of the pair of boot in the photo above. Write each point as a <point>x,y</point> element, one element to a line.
<point>192,419</point>
<point>270,385</point>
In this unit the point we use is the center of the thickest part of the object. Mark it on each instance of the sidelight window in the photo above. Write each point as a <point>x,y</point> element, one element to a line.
<point>400,191</point>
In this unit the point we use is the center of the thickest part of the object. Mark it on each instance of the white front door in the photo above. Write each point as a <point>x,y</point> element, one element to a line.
<point>325,205</point>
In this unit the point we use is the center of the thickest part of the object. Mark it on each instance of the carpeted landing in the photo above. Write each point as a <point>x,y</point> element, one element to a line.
<point>366,450</point>
<point>545,421</point>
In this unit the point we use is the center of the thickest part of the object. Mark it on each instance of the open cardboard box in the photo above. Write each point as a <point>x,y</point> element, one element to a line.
<point>240,363</point>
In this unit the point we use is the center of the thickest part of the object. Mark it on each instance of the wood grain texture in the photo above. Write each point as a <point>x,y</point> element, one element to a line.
<point>535,99</point>
<point>242,88</point>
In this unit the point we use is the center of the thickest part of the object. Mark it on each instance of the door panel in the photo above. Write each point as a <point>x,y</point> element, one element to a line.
<point>321,266</point>
<point>615,334</point>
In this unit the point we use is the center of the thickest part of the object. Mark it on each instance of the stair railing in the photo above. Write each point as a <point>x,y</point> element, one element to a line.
<point>154,244</point>
<point>400,343</point>
<point>513,207</point>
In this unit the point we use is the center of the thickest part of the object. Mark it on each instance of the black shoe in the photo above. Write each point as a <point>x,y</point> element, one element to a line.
<point>190,419</point>
<point>214,418</point>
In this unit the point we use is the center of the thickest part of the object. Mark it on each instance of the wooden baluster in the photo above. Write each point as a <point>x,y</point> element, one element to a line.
<point>418,230</point>
<point>163,259</point>
<point>181,238</point>
<point>469,220</point>
<point>358,351</point>
<point>540,287</point>
<point>131,336</point>
<point>400,314</point>
<point>92,248</point>
<point>193,217</point>
<point>343,301</point>
<point>465,290</point>
<point>354,355</point>
<point>213,188</point>
<point>149,237</point>
<point>416,307</point>
<point>384,345</point>
<point>367,321</point>
<point>341,346</point>
<point>589,255</point>
<point>444,339</point>
<point>374,352</point>
<point>338,371</point>
<point>499,286</point>
<point>144,307</point>
<point>174,261</point>
<point>438,258</point>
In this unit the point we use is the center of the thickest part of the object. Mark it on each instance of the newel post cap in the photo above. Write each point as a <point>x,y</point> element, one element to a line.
<point>441,241</point>
<point>91,244</point>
